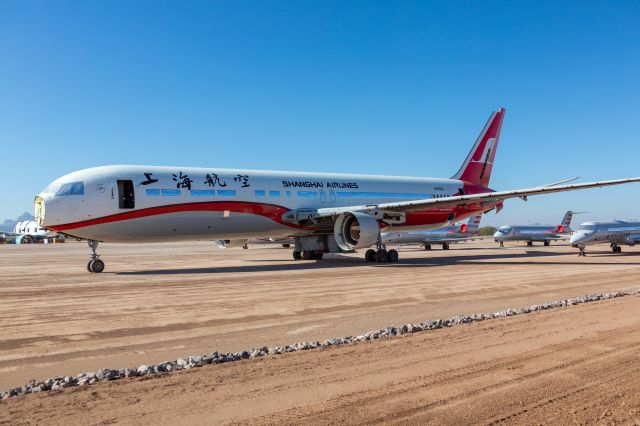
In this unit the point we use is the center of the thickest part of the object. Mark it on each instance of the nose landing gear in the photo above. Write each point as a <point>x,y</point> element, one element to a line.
<point>95,265</point>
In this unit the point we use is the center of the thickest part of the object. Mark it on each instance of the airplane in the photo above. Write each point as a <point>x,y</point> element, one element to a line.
<point>531,233</point>
<point>27,232</point>
<point>325,213</point>
<point>616,233</point>
<point>445,236</point>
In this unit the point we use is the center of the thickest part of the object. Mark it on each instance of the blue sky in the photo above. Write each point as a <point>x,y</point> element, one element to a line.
<point>399,88</point>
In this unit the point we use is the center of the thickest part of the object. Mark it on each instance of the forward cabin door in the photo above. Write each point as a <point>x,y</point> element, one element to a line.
<point>126,195</point>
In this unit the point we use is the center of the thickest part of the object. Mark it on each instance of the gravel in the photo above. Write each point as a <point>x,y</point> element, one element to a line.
<point>194,361</point>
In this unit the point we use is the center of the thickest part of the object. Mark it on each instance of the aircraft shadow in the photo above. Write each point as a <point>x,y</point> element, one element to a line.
<point>333,262</point>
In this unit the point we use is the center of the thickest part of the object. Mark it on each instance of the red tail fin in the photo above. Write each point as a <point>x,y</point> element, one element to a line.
<point>477,167</point>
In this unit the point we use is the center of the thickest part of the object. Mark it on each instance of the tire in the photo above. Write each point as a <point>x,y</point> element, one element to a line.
<point>97,266</point>
<point>307,255</point>
<point>286,245</point>
<point>381,256</point>
<point>427,246</point>
<point>370,255</point>
<point>89,267</point>
<point>546,243</point>
<point>529,243</point>
<point>392,256</point>
<point>445,246</point>
<point>297,255</point>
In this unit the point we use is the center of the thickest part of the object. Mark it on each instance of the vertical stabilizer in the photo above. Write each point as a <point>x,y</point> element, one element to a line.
<point>474,224</point>
<point>476,169</point>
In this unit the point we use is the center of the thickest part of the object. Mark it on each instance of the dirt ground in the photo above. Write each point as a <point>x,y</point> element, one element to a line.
<point>159,302</point>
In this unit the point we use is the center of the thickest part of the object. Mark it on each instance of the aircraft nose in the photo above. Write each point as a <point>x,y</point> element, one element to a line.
<point>578,237</point>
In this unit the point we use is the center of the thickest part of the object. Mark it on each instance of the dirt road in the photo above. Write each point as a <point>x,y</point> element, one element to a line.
<point>576,365</point>
<point>159,302</point>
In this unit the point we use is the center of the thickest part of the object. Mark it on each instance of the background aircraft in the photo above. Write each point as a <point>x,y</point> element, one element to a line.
<point>615,233</point>
<point>27,232</point>
<point>444,236</point>
<point>531,233</point>
<point>325,213</point>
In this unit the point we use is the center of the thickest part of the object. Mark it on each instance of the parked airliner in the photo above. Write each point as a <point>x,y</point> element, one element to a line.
<point>540,233</point>
<point>445,236</point>
<point>615,233</point>
<point>325,213</point>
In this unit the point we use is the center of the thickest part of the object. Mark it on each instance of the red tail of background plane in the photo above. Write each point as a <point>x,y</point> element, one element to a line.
<point>476,169</point>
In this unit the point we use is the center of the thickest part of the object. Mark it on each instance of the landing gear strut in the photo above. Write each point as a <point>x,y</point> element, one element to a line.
<point>95,265</point>
<point>380,254</point>
<point>581,252</point>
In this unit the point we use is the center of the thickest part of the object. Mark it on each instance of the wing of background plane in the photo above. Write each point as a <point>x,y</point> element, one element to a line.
<point>487,198</point>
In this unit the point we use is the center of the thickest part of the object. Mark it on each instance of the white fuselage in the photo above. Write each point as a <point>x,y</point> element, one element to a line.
<point>152,203</point>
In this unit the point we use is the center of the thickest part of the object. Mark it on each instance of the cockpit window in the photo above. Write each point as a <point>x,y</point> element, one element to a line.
<point>505,229</point>
<point>587,228</point>
<point>71,188</point>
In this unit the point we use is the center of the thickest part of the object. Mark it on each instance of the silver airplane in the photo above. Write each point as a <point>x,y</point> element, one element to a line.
<point>616,233</point>
<point>540,233</point>
<point>444,236</point>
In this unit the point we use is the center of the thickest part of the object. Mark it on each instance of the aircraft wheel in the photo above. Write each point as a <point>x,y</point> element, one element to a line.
<point>96,266</point>
<point>286,245</point>
<point>427,246</point>
<point>529,243</point>
<point>89,266</point>
<point>370,255</point>
<point>392,256</point>
<point>318,254</point>
<point>297,255</point>
<point>381,256</point>
<point>307,255</point>
<point>546,243</point>
<point>445,246</point>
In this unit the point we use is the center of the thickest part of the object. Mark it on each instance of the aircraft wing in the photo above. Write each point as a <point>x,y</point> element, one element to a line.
<point>487,197</point>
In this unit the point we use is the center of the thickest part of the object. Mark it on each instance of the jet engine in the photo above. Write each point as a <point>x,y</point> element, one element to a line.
<point>355,230</point>
<point>560,229</point>
<point>464,228</point>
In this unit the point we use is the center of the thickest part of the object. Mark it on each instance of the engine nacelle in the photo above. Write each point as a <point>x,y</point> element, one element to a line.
<point>560,229</point>
<point>223,244</point>
<point>355,230</point>
<point>464,228</point>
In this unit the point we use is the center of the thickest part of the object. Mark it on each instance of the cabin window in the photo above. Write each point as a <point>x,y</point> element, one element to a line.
<point>307,194</point>
<point>260,193</point>
<point>203,193</point>
<point>226,192</point>
<point>126,197</point>
<point>274,193</point>
<point>153,192</point>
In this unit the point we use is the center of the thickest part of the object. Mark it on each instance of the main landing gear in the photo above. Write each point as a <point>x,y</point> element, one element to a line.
<point>380,254</point>
<point>445,246</point>
<point>616,248</point>
<point>529,243</point>
<point>308,255</point>
<point>95,265</point>
<point>547,243</point>
<point>501,243</point>
<point>427,246</point>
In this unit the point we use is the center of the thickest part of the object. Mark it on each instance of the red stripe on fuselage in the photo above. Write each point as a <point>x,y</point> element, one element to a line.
<point>270,211</point>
